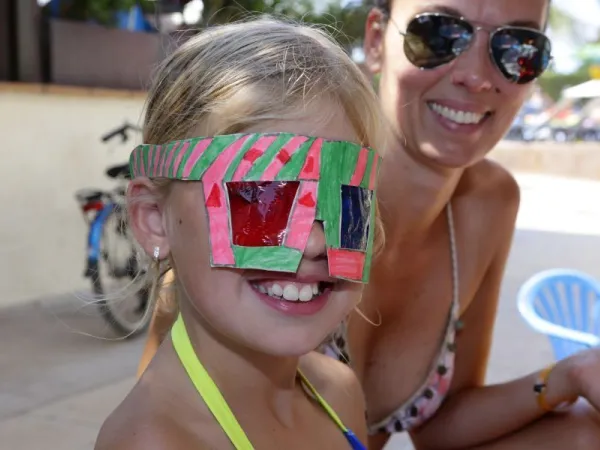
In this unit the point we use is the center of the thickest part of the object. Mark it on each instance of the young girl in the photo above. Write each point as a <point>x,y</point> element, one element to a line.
<point>256,185</point>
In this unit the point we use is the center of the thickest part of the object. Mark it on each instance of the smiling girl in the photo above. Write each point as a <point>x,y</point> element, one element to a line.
<point>256,184</point>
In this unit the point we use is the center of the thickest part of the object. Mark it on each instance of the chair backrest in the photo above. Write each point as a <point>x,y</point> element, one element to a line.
<point>563,298</point>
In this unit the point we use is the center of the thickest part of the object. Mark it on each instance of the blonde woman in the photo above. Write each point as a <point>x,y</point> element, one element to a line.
<point>256,184</point>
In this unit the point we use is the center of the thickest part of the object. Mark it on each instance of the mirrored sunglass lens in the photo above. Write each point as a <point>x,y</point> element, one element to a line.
<point>432,40</point>
<point>521,55</point>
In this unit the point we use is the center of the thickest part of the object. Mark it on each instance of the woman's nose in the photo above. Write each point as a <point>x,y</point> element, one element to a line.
<point>315,246</point>
<point>472,70</point>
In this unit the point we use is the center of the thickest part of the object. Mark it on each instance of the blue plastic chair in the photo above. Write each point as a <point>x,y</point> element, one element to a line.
<point>565,305</point>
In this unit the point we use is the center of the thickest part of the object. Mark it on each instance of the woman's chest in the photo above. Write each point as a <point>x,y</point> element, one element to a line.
<point>417,299</point>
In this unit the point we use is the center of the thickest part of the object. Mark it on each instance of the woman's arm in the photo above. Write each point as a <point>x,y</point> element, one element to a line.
<point>474,414</point>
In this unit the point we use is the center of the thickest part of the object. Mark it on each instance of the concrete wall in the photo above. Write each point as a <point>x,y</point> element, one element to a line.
<point>50,148</point>
<point>579,160</point>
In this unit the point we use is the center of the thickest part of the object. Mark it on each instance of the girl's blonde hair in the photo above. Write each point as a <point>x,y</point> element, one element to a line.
<point>232,77</point>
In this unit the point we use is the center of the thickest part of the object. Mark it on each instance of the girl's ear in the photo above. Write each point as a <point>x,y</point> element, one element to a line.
<point>146,217</point>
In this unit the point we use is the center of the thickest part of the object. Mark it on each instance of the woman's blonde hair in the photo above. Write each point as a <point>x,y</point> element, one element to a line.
<point>232,77</point>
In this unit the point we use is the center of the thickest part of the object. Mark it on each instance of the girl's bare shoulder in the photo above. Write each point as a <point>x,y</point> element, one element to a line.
<point>154,419</point>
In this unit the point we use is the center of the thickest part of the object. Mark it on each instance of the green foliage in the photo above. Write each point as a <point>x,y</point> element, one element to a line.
<point>345,23</point>
<point>553,83</point>
<point>348,22</point>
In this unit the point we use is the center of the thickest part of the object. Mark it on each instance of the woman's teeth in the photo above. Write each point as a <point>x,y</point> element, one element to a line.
<point>460,117</point>
<point>292,292</point>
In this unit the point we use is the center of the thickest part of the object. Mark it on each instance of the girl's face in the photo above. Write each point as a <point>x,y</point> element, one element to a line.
<point>429,108</point>
<point>284,314</point>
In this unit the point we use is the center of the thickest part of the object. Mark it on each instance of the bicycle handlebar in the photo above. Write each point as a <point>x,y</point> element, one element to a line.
<point>120,131</point>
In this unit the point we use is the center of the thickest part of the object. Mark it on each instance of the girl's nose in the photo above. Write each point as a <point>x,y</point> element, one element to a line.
<point>315,246</point>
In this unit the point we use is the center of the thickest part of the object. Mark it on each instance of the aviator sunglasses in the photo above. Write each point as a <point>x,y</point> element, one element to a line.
<point>433,39</point>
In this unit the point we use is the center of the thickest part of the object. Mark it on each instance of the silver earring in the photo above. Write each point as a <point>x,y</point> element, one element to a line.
<point>156,253</point>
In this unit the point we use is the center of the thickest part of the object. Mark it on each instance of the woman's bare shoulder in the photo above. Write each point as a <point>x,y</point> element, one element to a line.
<point>489,196</point>
<point>486,206</point>
<point>489,181</point>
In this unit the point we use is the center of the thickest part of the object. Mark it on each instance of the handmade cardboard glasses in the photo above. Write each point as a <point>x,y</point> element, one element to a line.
<point>263,193</point>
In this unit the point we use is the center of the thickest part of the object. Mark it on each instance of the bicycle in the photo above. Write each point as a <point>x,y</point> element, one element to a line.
<point>105,213</point>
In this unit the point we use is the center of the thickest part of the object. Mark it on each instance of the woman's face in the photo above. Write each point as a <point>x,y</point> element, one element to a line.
<point>422,104</point>
<point>286,314</point>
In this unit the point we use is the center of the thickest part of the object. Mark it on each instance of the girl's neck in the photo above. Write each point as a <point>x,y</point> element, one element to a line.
<point>259,379</point>
<point>412,194</point>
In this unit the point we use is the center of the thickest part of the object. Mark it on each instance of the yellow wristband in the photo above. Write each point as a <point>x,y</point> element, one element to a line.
<point>540,388</point>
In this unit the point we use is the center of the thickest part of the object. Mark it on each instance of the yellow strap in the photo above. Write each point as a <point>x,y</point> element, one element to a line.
<point>207,388</point>
<point>328,409</point>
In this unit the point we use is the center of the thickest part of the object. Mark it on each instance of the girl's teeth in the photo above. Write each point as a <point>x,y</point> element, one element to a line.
<point>290,292</point>
<point>461,117</point>
<point>277,290</point>
<point>306,293</point>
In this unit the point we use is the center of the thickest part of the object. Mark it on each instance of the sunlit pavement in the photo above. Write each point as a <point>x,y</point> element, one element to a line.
<point>57,384</point>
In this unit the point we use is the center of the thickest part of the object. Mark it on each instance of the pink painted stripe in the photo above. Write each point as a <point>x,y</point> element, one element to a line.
<point>134,157</point>
<point>139,162</point>
<point>150,159</point>
<point>312,164</point>
<point>288,150</point>
<point>373,178</point>
<point>303,216</point>
<point>195,156</point>
<point>218,216</point>
<point>361,166</point>
<point>259,146</point>
<point>180,158</point>
<point>151,152</point>
<point>157,155</point>
<point>163,157</point>
<point>161,160</point>
<point>142,163</point>
<point>169,160</point>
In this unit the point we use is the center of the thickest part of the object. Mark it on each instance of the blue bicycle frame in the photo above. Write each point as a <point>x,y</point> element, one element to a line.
<point>95,237</point>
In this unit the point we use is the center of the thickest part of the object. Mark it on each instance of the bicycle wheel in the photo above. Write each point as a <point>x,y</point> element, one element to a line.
<point>116,278</point>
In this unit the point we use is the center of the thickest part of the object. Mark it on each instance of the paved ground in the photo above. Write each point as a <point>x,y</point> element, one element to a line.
<point>57,384</point>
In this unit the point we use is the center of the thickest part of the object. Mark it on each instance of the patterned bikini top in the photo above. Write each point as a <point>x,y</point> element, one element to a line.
<point>427,399</point>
